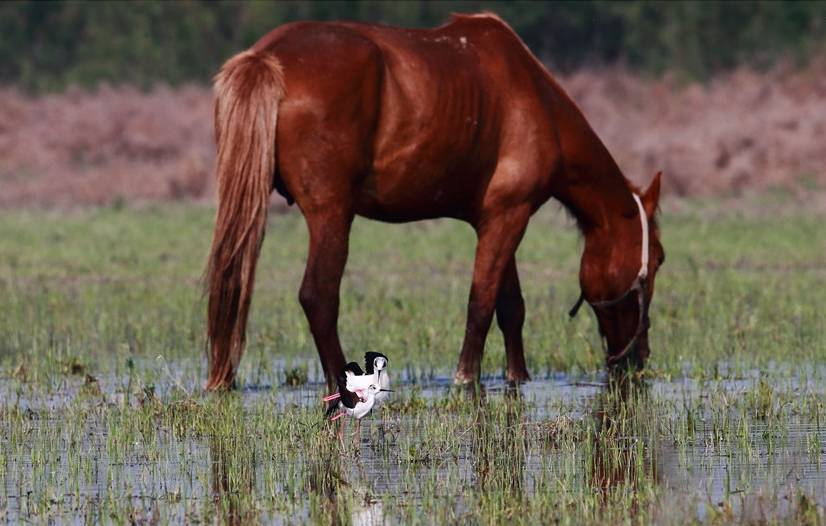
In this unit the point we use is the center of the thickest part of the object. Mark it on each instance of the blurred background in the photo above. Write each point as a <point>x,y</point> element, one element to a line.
<point>106,216</point>
<point>107,102</point>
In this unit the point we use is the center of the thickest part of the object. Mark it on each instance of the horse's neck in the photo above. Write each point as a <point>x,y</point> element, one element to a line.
<point>592,186</point>
<point>597,205</point>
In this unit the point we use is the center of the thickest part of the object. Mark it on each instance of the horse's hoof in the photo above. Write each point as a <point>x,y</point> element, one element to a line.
<point>463,378</point>
<point>220,386</point>
<point>517,378</point>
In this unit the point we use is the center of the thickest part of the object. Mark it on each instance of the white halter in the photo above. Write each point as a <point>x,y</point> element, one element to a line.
<point>643,273</point>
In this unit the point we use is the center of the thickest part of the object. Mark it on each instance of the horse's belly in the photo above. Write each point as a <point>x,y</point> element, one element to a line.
<point>420,187</point>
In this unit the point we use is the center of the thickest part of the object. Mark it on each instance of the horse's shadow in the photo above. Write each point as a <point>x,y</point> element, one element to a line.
<point>623,459</point>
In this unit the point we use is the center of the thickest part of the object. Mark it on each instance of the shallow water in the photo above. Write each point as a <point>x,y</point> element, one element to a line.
<point>698,472</point>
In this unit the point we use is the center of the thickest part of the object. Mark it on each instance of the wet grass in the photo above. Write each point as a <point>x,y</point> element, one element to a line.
<point>102,355</point>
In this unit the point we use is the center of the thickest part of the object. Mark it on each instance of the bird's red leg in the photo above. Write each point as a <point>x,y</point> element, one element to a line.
<point>341,430</point>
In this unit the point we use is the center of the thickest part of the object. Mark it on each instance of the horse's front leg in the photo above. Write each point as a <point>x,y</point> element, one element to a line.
<point>319,295</point>
<point>499,235</point>
<point>510,315</point>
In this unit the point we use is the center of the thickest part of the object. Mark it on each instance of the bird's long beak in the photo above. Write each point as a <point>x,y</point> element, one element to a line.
<point>385,390</point>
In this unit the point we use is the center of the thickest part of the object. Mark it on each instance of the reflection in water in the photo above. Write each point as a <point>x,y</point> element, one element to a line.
<point>498,446</point>
<point>344,499</point>
<point>233,476</point>
<point>559,446</point>
<point>367,512</point>
<point>623,458</point>
<point>322,475</point>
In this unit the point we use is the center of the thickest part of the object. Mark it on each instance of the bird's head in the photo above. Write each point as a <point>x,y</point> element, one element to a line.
<point>379,363</point>
<point>368,394</point>
<point>374,389</point>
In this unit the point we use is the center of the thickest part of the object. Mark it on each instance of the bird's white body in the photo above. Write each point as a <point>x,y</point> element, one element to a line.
<point>380,377</point>
<point>364,405</point>
<point>356,382</point>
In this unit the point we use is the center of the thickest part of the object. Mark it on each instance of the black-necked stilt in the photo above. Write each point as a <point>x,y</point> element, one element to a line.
<point>356,395</point>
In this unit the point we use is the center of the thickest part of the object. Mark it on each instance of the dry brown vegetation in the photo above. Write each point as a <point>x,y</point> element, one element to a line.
<point>93,148</point>
<point>742,131</point>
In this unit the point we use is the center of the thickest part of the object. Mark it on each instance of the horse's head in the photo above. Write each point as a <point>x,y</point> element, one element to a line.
<point>619,267</point>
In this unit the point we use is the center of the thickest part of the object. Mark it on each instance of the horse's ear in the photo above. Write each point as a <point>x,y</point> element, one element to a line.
<point>651,196</point>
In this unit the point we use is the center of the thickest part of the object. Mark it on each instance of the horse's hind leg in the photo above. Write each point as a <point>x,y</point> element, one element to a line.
<point>319,295</point>
<point>499,235</point>
<point>510,315</point>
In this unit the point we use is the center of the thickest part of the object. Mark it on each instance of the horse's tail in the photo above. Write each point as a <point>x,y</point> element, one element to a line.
<point>248,90</point>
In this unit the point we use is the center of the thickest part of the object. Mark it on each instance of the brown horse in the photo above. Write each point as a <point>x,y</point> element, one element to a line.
<point>399,125</point>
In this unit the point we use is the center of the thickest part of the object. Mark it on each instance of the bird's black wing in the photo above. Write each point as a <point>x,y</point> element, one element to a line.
<point>348,398</point>
<point>369,358</point>
<point>353,367</point>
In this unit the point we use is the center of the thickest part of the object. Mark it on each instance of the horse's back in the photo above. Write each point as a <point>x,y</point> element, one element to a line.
<point>436,141</point>
<point>417,117</point>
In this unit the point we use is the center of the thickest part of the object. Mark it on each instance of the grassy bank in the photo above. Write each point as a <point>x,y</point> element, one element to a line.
<point>106,285</point>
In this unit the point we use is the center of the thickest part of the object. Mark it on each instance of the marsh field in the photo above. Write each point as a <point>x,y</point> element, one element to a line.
<point>102,418</point>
